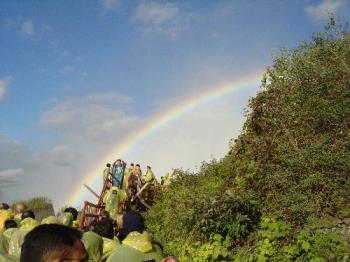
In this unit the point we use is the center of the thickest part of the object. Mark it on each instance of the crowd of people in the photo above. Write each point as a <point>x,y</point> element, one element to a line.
<point>57,238</point>
<point>130,178</point>
<point>111,236</point>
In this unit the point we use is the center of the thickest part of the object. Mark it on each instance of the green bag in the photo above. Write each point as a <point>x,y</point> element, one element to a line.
<point>136,247</point>
<point>16,242</point>
<point>94,245</point>
<point>111,200</point>
<point>109,246</point>
<point>28,224</point>
<point>4,244</point>
<point>9,232</point>
<point>7,258</point>
<point>50,220</point>
<point>66,218</point>
<point>138,241</point>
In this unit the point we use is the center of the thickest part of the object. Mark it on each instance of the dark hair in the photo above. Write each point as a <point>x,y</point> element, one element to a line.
<point>10,223</point>
<point>108,165</point>
<point>28,213</point>
<point>45,240</point>
<point>73,211</point>
<point>4,206</point>
<point>148,167</point>
<point>132,164</point>
<point>138,165</point>
<point>104,228</point>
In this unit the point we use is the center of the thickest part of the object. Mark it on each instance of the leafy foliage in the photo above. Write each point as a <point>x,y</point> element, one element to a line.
<point>37,203</point>
<point>290,163</point>
<point>230,215</point>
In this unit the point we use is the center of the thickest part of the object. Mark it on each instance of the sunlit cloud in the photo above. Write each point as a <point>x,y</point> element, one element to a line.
<point>90,117</point>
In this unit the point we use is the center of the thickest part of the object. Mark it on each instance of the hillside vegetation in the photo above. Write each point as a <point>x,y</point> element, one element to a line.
<point>282,191</point>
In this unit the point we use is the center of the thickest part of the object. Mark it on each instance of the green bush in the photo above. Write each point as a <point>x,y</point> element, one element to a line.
<point>231,215</point>
<point>216,249</point>
<point>291,162</point>
<point>275,242</point>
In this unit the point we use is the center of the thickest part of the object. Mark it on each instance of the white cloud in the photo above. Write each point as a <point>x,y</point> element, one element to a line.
<point>156,13</point>
<point>90,126</point>
<point>91,117</point>
<point>322,10</point>
<point>10,177</point>
<point>86,127</point>
<point>162,18</point>
<point>4,82</point>
<point>11,173</point>
<point>27,28</point>
<point>109,4</point>
<point>198,135</point>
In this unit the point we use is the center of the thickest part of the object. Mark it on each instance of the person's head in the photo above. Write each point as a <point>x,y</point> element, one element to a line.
<point>108,165</point>
<point>104,228</point>
<point>118,162</point>
<point>20,207</point>
<point>105,214</point>
<point>10,223</point>
<point>4,206</point>
<point>28,213</point>
<point>148,167</point>
<point>73,211</point>
<point>53,243</point>
<point>132,164</point>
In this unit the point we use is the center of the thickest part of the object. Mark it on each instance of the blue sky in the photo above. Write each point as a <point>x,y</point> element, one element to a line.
<point>76,76</point>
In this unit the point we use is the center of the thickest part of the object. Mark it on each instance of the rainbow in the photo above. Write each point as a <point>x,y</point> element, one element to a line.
<point>159,121</point>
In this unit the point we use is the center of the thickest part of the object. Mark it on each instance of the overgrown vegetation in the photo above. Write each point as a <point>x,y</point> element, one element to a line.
<point>289,168</point>
<point>37,203</point>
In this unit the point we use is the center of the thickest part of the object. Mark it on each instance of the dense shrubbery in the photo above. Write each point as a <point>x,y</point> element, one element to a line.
<point>37,203</point>
<point>291,164</point>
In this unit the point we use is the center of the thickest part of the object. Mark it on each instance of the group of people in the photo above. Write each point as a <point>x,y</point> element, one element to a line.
<point>129,178</point>
<point>25,239</point>
<point>112,236</point>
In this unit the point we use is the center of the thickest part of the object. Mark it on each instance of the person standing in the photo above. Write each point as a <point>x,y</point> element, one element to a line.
<point>118,173</point>
<point>106,172</point>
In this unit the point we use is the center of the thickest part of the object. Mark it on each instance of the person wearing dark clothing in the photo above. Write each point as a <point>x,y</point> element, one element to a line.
<point>132,221</point>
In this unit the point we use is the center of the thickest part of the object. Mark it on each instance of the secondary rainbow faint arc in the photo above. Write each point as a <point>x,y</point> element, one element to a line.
<point>157,122</point>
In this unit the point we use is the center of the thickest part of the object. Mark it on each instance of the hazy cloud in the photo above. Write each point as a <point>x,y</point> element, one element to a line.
<point>162,18</point>
<point>322,10</point>
<point>10,176</point>
<point>91,117</point>
<point>109,4</point>
<point>4,82</point>
<point>27,28</point>
<point>11,173</point>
